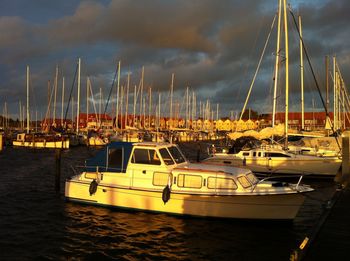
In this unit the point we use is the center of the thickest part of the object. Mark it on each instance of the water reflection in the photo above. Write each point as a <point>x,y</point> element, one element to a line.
<point>114,233</point>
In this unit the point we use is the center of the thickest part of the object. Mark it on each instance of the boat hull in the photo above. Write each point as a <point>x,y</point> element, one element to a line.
<point>279,207</point>
<point>43,144</point>
<point>328,166</point>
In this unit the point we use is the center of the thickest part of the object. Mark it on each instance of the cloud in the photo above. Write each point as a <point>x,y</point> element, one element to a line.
<point>212,47</point>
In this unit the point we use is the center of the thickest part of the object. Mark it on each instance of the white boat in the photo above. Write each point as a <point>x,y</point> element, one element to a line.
<point>274,160</point>
<point>41,141</point>
<point>156,177</point>
<point>97,141</point>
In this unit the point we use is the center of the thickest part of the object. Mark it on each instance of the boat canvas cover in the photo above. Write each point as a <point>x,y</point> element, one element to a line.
<point>114,158</point>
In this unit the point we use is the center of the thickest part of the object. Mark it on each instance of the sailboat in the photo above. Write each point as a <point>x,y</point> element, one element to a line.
<point>276,158</point>
<point>38,140</point>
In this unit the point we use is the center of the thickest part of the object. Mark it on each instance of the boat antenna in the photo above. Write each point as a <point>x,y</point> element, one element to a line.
<point>313,74</point>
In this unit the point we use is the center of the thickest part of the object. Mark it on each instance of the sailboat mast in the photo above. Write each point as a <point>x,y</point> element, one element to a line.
<point>55,98</point>
<point>335,114</point>
<point>277,63</point>
<point>87,100</point>
<point>78,98</point>
<point>62,101</point>
<point>28,120</point>
<point>301,75</point>
<point>141,94</point>
<point>149,107</point>
<point>171,99</point>
<point>20,117</point>
<point>99,109</point>
<point>127,100</point>
<point>327,82</point>
<point>118,86</point>
<point>134,118</point>
<point>287,71</point>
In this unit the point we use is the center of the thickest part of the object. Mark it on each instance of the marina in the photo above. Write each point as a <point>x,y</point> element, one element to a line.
<point>174,130</point>
<point>52,228</point>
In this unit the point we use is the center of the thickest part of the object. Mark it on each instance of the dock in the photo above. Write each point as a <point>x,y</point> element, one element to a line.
<point>330,238</point>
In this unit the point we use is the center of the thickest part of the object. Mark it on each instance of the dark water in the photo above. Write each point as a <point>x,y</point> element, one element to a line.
<point>37,223</point>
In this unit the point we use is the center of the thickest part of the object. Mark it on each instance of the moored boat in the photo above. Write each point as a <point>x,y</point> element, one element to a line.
<point>157,177</point>
<point>274,160</point>
<point>38,140</point>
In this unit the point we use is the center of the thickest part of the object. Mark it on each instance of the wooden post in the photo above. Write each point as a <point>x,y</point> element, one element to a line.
<point>198,152</point>
<point>58,170</point>
<point>346,157</point>
<point>1,142</point>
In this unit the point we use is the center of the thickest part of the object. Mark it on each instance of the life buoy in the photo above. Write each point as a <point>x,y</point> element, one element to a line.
<point>93,187</point>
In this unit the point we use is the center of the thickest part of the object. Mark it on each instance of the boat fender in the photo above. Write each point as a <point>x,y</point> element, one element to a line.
<point>166,194</point>
<point>93,187</point>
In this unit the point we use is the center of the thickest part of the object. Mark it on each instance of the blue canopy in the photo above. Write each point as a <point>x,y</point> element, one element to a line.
<point>113,158</point>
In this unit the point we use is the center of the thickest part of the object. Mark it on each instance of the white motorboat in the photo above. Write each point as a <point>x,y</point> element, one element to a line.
<point>274,160</point>
<point>156,177</point>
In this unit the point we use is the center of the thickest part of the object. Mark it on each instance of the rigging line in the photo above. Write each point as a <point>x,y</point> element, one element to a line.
<point>110,92</point>
<point>48,111</point>
<point>71,91</point>
<point>258,67</point>
<point>250,56</point>
<point>313,75</point>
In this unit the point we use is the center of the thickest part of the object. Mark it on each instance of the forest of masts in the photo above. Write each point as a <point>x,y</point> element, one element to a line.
<point>138,106</point>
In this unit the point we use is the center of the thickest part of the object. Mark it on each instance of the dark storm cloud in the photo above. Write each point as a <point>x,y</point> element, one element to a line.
<point>212,46</point>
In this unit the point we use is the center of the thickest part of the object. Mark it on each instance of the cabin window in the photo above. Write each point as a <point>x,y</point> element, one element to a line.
<point>160,179</point>
<point>259,154</point>
<point>254,154</point>
<point>145,156</point>
<point>245,153</point>
<point>276,155</point>
<point>252,178</point>
<point>189,181</point>
<point>166,156</point>
<point>244,181</point>
<point>221,183</point>
<point>177,155</point>
<point>115,158</point>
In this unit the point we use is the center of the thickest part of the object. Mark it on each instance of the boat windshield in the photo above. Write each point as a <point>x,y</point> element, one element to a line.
<point>252,178</point>
<point>166,157</point>
<point>177,155</point>
<point>172,155</point>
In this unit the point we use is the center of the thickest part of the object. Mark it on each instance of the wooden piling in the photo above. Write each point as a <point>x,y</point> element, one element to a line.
<point>198,152</point>
<point>58,170</point>
<point>346,158</point>
<point>1,142</point>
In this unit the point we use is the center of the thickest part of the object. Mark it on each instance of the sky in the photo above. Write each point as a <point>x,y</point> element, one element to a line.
<point>212,47</point>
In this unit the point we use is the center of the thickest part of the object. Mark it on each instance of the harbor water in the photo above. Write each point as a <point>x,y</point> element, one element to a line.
<point>38,223</point>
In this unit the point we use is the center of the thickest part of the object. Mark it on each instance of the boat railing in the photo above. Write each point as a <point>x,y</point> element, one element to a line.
<point>280,177</point>
<point>96,168</point>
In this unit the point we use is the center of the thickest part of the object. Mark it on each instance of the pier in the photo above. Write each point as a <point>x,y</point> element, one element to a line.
<point>330,237</point>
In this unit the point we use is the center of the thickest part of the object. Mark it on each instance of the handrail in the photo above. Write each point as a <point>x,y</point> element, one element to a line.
<point>279,177</point>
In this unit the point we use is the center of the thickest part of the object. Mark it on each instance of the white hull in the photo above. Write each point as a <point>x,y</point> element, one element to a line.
<point>43,144</point>
<point>233,206</point>
<point>298,164</point>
